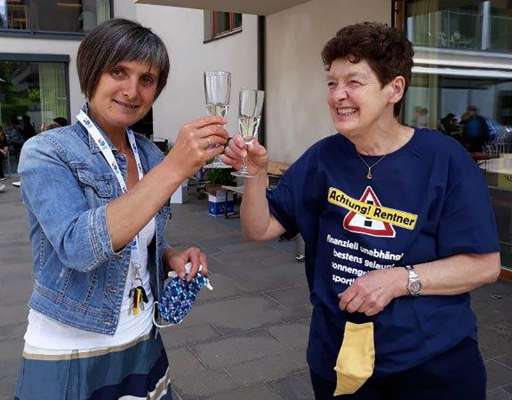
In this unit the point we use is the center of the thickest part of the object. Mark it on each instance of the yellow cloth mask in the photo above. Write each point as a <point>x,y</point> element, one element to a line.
<point>356,359</point>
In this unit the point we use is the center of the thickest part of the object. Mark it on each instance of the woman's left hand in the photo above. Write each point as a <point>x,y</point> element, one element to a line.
<point>176,260</point>
<point>373,291</point>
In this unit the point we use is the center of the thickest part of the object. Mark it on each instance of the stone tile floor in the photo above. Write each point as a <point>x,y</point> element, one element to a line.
<point>247,338</point>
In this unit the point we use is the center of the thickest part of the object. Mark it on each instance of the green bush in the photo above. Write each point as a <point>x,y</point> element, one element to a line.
<point>218,176</point>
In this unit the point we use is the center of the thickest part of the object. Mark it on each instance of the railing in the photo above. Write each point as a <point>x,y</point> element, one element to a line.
<point>502,144</point>
<point>501,33</point>
<point>463,30</point>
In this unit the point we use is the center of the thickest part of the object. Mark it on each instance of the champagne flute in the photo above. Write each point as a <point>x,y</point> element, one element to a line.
<point>250,107</point>
<point>217,89</point>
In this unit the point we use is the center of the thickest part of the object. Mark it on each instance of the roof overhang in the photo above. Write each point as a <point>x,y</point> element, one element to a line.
<point>260,7</point>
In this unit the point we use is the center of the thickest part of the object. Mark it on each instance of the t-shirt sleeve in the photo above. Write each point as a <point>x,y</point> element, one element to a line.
<point>282,200</point>
<point>295,200</point>
<point>467,223</point>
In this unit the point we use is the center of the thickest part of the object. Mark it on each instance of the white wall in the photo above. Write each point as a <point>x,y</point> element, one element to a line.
<point>124,9</point>
<point>182,31</point>
<point>296,109</point>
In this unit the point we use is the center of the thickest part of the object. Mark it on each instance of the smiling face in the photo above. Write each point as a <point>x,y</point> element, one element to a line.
<point>123,96</point>
<point>357,100</point>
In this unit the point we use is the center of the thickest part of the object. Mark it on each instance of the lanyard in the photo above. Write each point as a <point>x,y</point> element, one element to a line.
<point>137,292</point>
<point>106,151</point>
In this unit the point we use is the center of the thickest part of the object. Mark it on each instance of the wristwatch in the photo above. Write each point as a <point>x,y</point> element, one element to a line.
<point>414,284</point>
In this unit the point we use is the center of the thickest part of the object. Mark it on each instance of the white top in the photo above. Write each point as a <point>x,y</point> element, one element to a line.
<point>46,333</point>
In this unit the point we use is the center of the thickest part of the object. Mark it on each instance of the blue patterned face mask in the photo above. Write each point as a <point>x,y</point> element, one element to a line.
<point>179,295</point>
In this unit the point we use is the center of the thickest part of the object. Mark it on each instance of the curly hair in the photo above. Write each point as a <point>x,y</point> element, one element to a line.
<point>385,49</point>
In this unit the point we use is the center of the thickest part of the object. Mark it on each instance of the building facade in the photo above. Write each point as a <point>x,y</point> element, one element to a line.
<point>38,46</point>
<point>463,62</point>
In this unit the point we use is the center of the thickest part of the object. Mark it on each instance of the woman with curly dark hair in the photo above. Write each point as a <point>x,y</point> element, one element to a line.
<point>398,229</point>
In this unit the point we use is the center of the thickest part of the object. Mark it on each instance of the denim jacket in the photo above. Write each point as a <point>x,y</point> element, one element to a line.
<point>66,185</point>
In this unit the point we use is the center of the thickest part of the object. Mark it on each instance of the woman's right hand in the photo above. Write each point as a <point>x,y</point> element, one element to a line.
<point>257,157</point>
<point>197,142</point>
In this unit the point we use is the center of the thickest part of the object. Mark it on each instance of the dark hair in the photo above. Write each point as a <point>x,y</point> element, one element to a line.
<point>385,49</point>
<point>61,121</point>
<point>118,40</point>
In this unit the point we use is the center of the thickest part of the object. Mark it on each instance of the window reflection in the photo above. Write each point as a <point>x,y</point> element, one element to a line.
<point>32,93</point>
<point>430,97</point>
<point>73,16</point>
<point>464,25</point>
<point>14,14</point>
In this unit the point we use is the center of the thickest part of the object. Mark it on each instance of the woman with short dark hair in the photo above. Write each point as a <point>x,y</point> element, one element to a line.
<point>97,197</point>
<point>398,228</point>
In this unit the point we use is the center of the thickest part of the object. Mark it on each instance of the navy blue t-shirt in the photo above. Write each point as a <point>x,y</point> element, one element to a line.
<point>426,201</point>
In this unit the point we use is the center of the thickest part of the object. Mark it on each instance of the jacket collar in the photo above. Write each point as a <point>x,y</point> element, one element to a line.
<point>88,138</point>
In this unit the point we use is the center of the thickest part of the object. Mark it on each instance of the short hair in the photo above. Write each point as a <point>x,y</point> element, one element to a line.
<point>385,49</point>
<point>61,121</point>
<point>52,125</point>
<point>115,41</point>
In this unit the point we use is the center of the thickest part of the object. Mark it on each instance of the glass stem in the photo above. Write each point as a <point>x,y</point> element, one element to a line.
<point>244,165</point>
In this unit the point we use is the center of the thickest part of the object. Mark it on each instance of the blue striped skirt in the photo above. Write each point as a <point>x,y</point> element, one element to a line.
<point>136,370</point>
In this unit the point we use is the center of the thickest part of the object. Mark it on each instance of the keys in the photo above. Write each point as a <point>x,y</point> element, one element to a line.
<point>139,297</point>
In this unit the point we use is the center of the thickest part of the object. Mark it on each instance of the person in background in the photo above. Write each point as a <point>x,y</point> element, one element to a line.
<point>475,131</point>
<point>14,135</point>
<point>61,121</point>
<point>46,127</point>
<point>448,124</point>
<point>398,227</point>
<point>421,117</point>
<point>4,151</point>
<point>27,129</point>
<point>97,198</point>
<point>56,123</point>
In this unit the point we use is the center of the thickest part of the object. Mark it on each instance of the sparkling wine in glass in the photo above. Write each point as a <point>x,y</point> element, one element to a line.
<point>217,89</point>
<point>250,108</point>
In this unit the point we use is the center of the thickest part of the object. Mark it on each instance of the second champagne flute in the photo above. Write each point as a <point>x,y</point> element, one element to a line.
<point>217,90</point>
<point>250,108</point>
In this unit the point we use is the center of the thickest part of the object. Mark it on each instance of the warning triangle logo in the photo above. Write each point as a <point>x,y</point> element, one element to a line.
<point>358,223</point>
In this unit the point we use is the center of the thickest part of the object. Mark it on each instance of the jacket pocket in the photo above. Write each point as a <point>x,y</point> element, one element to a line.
<point>99,188</point>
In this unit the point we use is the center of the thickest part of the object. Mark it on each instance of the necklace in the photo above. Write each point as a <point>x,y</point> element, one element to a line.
<point>369,175</point>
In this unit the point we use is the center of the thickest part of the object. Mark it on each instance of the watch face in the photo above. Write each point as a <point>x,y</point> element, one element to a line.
<point>415,287</point>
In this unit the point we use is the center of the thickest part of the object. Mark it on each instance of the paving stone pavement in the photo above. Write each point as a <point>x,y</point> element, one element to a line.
<point>247,338</point>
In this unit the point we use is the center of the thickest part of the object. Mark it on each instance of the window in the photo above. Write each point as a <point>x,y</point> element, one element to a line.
<point>464,25</point>
<point>55,16</point>
<point>462,85</point>
<point>437,93</point>
<point>219,24</point>
<point>32,93</point>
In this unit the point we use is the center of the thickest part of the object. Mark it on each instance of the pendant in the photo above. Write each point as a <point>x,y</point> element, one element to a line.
<point>369,175</point>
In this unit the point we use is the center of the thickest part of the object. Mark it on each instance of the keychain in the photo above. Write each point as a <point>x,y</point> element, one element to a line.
<point>137,293</point>
<point>139,297</point>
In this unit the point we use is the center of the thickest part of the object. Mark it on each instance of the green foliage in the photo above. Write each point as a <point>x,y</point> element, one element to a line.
<point>218,176</point>
<point>33,95</point>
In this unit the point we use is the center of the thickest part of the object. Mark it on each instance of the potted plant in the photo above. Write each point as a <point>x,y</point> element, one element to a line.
<point>219,201</point>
